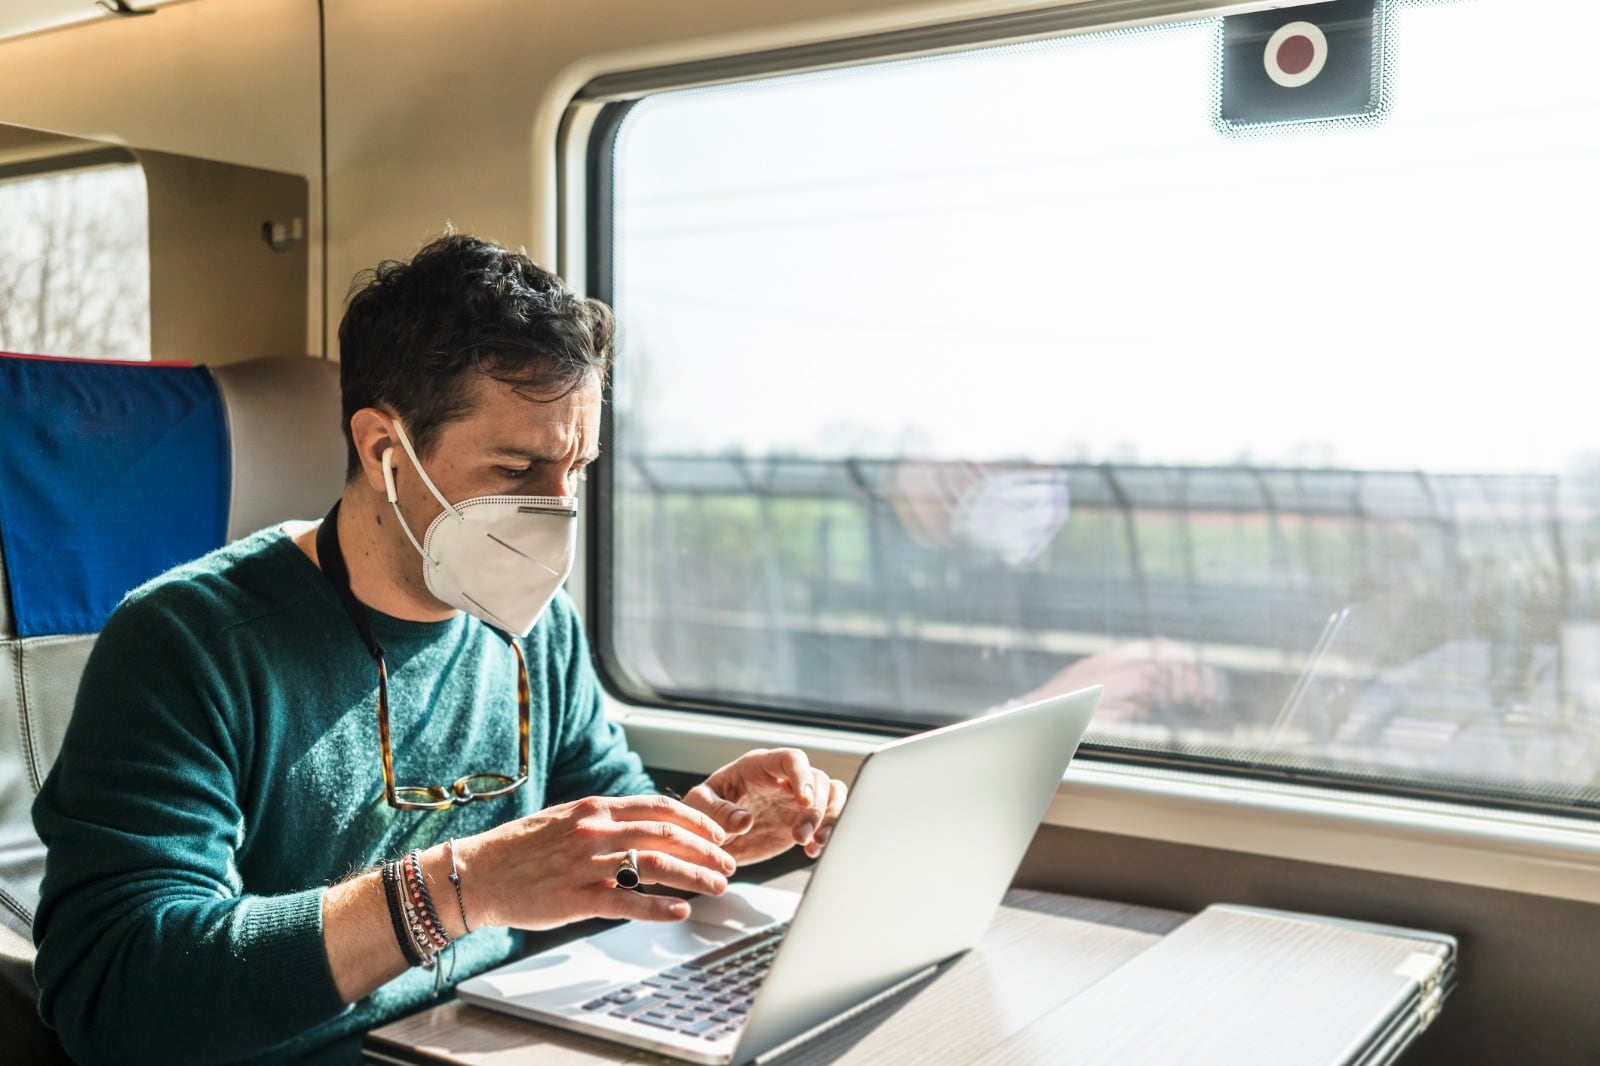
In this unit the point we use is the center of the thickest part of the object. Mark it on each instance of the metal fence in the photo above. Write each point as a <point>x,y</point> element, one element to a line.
<point>915,590</point>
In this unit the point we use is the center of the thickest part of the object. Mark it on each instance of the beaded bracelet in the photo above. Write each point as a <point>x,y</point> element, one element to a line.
<point>435,938</point>
<point>398,915</point>
<point>419,924</point>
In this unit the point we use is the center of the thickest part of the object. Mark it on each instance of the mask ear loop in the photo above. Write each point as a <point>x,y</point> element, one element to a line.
<point>394,501</point>
<point>388,478</point>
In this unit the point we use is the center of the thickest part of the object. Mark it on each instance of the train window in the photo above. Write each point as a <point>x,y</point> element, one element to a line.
<point>75,259</point>
<point>953,380</point>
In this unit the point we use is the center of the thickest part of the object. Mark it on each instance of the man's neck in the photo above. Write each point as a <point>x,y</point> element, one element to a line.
<point>385,570</point>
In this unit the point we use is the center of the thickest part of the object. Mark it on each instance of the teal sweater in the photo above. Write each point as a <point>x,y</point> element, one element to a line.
<point>221,769</point>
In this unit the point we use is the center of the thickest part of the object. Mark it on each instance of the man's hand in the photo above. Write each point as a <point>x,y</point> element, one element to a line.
<point>560,865</point>
<point>769,800</point>
<point>545,870</point>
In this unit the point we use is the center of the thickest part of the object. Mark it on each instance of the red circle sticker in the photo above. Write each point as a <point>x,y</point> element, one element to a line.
<point>1295,54</point>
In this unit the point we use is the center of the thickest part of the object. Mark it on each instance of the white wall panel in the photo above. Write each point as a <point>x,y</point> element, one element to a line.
<point>449,113</point>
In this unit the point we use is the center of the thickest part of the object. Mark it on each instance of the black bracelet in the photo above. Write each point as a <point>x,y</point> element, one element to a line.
<point>392,888</point>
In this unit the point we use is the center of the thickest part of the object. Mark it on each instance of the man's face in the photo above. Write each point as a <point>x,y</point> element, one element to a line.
<point>513,443</point>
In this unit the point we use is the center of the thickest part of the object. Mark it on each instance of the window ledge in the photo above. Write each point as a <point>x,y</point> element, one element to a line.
<point>1542,855</point>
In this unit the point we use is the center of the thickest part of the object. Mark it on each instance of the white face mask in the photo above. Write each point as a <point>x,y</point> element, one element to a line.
<point>498,558</point>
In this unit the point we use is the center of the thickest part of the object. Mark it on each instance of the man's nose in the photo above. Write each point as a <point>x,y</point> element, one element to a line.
<point>551,482</point>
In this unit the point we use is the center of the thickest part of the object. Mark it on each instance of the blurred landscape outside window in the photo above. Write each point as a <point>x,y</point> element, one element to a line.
<point>953,381</point>
<point>75,263</point>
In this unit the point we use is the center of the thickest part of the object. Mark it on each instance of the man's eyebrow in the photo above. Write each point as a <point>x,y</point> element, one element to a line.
<point>508,452</point>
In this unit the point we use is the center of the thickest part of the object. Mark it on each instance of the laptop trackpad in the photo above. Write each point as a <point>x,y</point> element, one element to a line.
<point>579,971</point>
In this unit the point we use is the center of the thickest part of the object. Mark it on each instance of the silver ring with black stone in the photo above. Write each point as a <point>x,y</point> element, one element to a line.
<point>628,870</point>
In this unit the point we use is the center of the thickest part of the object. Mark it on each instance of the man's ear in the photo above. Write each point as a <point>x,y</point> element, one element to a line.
<point>373,434</point>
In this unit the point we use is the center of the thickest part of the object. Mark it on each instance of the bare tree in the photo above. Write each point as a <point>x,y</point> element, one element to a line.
<point>75,264</point>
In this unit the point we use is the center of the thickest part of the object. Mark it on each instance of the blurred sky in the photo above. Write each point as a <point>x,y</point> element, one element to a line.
<point>1049,252</point>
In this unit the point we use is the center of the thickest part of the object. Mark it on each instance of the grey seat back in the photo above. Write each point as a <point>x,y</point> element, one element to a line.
<point>288,455</point>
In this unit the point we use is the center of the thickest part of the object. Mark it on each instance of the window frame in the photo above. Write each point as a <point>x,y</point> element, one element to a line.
<point>63,164</point>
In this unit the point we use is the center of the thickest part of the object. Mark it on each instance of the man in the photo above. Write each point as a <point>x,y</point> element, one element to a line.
<point>251,856</point>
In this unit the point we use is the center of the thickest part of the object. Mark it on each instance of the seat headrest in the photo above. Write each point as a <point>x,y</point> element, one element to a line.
<point>109,475</point>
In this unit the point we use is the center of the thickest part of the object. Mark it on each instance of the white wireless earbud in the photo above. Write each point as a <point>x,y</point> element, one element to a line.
<point>388,471</point>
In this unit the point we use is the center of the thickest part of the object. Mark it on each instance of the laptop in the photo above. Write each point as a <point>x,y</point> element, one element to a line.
<point>927,844</point>
<point>1246,986</point>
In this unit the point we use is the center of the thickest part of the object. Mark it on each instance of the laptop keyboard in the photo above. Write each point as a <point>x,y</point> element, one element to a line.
<point>708,996</point>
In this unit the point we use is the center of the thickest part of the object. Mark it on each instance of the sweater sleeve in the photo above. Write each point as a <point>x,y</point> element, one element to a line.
<point>594,758</point>
<point>149,947</point>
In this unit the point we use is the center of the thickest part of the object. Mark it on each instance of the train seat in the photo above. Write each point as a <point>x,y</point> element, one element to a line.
<point>272,451</point>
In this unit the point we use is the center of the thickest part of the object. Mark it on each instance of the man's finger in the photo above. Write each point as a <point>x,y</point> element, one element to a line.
<point>674,840</point>
<point>732,817</point>
<point>619,903</point>
<point>815,810</point>
<point>659,868</point>
<point>797,768</point>
<point>667,809</point>
<point>820,790</point>
<point>837,792</point>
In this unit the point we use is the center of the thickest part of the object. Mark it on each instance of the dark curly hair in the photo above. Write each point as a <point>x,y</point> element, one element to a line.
<point>415,334</point>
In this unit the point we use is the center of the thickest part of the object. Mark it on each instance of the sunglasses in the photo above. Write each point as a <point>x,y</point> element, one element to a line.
<point>472,786</point>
